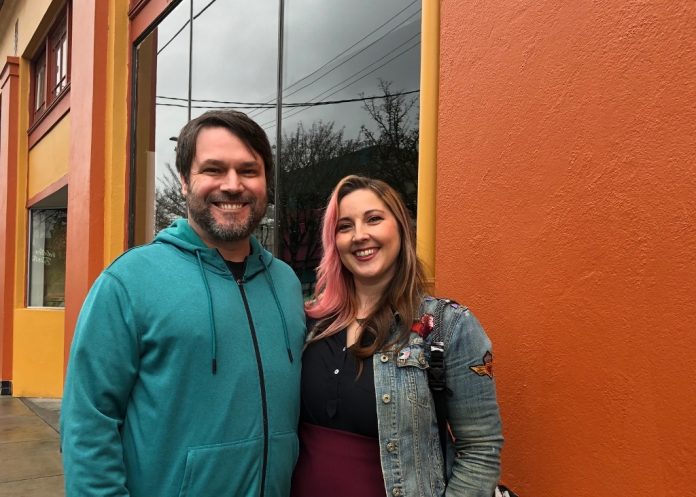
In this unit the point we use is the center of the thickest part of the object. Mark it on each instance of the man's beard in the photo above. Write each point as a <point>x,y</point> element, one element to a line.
<point>199,211</point>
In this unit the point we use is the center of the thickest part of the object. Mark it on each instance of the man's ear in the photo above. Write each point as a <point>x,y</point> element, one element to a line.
<point>184,185</point>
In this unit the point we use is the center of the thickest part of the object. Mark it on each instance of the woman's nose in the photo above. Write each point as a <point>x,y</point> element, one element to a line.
<point>359,234</point>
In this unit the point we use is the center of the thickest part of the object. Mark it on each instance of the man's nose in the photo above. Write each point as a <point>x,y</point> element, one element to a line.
<point>231,182</point>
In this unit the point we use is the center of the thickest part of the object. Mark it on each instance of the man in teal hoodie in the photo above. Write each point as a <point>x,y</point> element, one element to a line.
<point>183,378</point>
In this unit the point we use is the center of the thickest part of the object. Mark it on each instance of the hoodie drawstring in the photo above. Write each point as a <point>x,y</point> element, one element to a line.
<point>213,333</point>
<point>269,278</point>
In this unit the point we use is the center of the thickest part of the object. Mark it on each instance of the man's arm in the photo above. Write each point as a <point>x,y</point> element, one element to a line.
<point>101,372</point>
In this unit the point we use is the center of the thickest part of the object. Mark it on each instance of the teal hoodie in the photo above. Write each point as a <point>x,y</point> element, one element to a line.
<point>182,381</point>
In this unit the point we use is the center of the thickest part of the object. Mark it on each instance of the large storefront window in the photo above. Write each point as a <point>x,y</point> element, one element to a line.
<point>335,86</point>
<point>48,230</point>
<point>228,60</point>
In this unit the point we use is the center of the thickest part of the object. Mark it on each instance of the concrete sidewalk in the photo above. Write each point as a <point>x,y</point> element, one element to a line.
<point>30,464</point>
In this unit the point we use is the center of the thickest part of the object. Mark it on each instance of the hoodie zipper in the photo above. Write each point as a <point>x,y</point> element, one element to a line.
<point>262,383</point>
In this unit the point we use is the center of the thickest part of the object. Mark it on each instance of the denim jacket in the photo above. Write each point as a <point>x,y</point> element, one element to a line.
<point>412,462</point>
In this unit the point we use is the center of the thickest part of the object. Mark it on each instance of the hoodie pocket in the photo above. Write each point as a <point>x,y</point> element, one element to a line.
<point>223,470</point>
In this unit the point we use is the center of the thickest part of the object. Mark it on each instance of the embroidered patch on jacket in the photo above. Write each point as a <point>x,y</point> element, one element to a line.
<point>424,326</point>
<point>485,369</point>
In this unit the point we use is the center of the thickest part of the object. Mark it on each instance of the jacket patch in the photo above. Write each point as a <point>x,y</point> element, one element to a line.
<point>485,369</point>
<point>425,326</point>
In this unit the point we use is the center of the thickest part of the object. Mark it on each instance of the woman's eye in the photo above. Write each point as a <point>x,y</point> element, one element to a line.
<point>342,228</point>
<point>374,219</point>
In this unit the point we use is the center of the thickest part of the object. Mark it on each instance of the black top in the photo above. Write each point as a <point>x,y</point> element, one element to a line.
<point>332,394</point>
<point>236,268</point>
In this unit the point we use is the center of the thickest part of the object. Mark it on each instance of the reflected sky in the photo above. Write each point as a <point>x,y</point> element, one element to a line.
<point>333,51</point>
<point>340,50</point>
<point>234,58</point>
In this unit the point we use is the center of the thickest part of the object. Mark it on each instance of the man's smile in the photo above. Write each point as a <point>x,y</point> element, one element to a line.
<point>229,206</point>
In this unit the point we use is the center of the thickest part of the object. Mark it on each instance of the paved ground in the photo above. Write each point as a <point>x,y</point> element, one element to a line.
<point>30,463</point>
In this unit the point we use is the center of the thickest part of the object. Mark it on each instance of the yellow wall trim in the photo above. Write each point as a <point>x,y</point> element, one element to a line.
<point>427,146</point>
<point>37,362</point>
<point>116,161</point>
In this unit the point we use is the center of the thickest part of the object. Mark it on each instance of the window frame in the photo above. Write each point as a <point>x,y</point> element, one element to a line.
<point>57,41</point>
<point>39,82</point>
<point>58,34</point>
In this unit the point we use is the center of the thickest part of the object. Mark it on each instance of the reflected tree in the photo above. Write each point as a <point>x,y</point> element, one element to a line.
<point>306,148</point>
<point>394,142</point>
<point>170,203</point>
<point>314,159</point>
<point>306,178</point>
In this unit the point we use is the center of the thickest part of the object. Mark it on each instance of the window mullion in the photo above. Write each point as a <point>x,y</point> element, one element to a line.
<point>47,74</point>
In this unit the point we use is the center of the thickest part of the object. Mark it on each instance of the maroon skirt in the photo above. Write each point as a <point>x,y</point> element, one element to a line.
<point>337,463</point>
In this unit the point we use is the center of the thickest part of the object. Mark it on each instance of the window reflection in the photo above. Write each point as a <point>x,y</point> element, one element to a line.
<point>350,105</point>
<point>233,50</point>
<point>47,257</point>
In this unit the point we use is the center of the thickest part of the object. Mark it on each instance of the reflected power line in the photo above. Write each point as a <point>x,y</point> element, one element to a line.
<point>259,105</point>
<point>291,113</point>
<point>271,98</point>
<point>184,26</point>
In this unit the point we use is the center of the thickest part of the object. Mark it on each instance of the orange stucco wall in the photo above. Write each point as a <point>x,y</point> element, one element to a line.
<point>566,219</point>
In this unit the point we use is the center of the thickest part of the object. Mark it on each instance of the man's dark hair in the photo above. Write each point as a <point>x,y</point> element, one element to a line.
<point>237,123</point>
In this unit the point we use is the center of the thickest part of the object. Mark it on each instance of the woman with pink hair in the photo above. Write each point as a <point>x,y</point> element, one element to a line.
<point>369,425</point>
